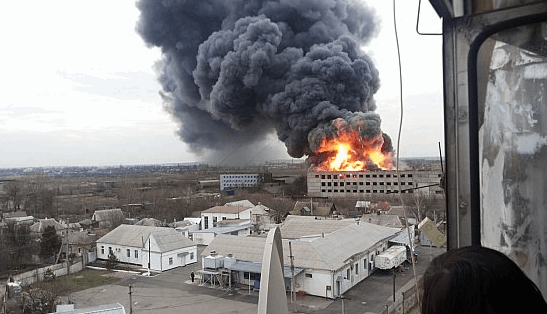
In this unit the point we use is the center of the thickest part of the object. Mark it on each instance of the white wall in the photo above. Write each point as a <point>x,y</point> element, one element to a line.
<point>203,238</point>
<point>120,252</point>
<point>244,214</point>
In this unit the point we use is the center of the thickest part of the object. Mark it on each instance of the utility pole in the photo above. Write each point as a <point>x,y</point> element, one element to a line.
<point>130,300</point>
<point>393,284</point>
<point>66,258</point>
<point>293,297</point>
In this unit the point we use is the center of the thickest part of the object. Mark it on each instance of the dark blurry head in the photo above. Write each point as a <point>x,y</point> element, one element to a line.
<point>478,280</point>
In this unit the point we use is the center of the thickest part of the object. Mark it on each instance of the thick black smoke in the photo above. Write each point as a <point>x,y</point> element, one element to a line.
<point>233,71</point>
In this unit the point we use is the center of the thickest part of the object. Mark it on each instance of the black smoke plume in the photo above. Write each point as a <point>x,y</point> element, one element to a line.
<point>233,71</point>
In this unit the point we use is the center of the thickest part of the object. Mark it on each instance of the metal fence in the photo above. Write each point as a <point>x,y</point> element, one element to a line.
<point>405,301</point>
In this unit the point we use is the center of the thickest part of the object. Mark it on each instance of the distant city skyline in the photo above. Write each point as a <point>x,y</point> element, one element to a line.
<point>80,88</point>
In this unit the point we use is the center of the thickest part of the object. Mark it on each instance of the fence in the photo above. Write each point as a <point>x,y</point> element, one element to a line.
<point>405,301</point>
<point>37,275</point>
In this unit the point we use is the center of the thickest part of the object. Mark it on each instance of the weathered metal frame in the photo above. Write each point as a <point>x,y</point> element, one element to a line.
<point>461,42</point>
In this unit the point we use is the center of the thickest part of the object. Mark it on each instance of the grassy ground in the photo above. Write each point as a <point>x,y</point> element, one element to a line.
<point>85,279</point>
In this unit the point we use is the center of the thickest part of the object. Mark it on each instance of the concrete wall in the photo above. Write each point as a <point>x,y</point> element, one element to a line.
<point>37,275</point>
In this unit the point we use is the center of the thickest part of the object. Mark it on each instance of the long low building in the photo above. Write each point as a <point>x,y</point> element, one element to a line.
<point>165,248</point>
<point>328,266</point>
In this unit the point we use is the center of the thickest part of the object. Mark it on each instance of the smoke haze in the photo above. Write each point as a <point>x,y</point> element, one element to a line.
<point>235,71</point>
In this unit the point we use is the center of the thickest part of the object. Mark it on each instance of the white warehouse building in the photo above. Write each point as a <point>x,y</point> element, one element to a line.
<point>327,266</point>
<point>243,180</point>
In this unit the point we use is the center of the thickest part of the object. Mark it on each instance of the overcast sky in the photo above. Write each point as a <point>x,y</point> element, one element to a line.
<point>79,89</point>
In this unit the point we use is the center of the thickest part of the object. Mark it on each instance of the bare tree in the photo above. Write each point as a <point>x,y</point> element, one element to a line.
<point>14,192</point>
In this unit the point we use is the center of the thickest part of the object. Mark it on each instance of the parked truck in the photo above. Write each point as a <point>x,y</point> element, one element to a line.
<point>390,258</point>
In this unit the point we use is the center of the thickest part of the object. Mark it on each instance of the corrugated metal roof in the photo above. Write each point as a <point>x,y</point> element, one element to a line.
<point>303,226</point>
<point>168,239</point>
<point>327,253</point>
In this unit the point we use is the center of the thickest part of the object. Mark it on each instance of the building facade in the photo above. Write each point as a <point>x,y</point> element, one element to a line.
<point>339,184</point>
<point>244,180</point>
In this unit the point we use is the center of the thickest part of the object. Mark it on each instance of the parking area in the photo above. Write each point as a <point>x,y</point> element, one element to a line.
<point>173,291</point>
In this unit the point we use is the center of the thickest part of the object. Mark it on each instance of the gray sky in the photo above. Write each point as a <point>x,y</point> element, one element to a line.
<point>79,87</point>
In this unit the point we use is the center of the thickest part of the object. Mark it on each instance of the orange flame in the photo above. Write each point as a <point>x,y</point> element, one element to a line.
<point>351,152</point>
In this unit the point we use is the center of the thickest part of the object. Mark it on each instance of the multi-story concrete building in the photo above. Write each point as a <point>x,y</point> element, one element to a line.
<point>244,180</point>
<point>357,183</point>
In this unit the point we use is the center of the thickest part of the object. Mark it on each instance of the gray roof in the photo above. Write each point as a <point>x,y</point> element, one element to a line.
<point>41,225</point>
<point>225,229</point>
<point>383,220</point>
<point>108,214</point>
<point>115,308</point>
<point>168,239</point>
<point>150,222</point>
<point>241,203</point>
<point>329,253</point>
<point>303,226</point>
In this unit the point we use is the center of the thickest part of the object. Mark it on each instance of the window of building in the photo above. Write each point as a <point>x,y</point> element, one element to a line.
<point>357,268</point>
<point>341,183</point>
<point>136,253</point>
<point>170,261</point>
<point>191,255</point>
<point>361,183</point>
<point>410,175</point>
<point>206,222</point>
<point>367,176</point>
<point>79,250</point>
<point>335,176</point>
<point>348,273</point>
<point>102,250</point>
<point>329,184</point>
<point>365,264</point>
<point>329,176</point>
<point>322,183</point>
<point>360,176</point>
<point>329,191</point>
<point>109,250</point>
<point>335,191</point>
<point>323,190</point>
<point>374,183</point>
<point>128,253</point>
<point>317,176</point>
<point>368,183</point>
<point>322,176</point>
<point>309,275</point>
<point>380,176</point>
<point>335,183</point>
<point>354,183</point>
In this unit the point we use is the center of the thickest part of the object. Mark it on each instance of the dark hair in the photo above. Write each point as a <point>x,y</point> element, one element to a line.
<point>476,279</point>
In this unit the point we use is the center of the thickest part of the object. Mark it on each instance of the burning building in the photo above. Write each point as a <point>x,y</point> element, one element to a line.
<point>335,184</point>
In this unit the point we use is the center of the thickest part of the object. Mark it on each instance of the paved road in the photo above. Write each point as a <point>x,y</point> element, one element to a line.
<point>172,291</point>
